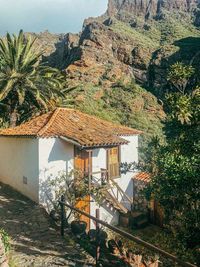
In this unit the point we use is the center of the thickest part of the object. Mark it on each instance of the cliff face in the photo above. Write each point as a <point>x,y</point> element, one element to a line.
<point>197,16</point>
<point>135,39</point>
<point>125,43</point>
<point>138,7</point>
<point>148,8</point>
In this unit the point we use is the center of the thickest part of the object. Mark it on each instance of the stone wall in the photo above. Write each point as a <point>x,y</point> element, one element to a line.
<point>152,207</point>
<point>139,203</point>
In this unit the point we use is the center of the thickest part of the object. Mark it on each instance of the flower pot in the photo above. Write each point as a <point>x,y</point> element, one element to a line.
<point>102,236</point>
<point>78,227</point>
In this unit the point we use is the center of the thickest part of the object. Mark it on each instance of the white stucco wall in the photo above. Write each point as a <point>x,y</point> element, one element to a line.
<point>40,160</point>
<point>99,162</point>
<point>129,154</point>
<point>18,163</point>
<point>56,156</point>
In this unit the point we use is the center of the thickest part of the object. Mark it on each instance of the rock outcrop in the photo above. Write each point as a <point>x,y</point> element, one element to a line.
<point>122,44</point>
<point>125,43</point>
<point>148,8</point>
<point>197,16</point>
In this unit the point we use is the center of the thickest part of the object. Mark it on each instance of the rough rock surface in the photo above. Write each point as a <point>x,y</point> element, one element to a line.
<point>149,7</point>
<point>50,44</point>
<point>101,53</point>
<point>140,202</point>
<point>124,43</point>
<point>197,15</point>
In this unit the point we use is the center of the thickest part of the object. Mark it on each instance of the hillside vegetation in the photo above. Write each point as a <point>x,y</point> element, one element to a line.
<point>117,67</point>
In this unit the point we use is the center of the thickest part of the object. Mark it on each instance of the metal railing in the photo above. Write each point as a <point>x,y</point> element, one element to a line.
<point>120,232</point>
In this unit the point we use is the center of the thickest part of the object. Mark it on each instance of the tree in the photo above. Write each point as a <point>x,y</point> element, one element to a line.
<point>176,183</point>
<point>181,77</point>
<point>26,85</point>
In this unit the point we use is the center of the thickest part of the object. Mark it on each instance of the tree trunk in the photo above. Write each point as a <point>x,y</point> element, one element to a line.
<point>13,118</point>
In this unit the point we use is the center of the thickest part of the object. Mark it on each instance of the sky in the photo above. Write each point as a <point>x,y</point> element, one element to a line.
<point>56,16</point>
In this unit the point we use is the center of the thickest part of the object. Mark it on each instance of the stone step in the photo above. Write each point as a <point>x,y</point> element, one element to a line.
<point>143,223</point>
<point>137,215</point>
<point>138,219</point>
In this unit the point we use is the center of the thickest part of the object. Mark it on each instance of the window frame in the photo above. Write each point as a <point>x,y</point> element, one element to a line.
<point>119,162</point>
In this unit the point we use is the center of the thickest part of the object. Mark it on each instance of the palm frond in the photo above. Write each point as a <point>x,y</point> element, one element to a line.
<point>25,83</point>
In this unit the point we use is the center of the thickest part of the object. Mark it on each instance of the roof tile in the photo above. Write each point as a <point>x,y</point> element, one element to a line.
<point>143,176</point>
<point>80,127</point>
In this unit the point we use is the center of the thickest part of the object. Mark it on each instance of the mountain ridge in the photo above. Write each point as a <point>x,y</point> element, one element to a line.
<point>149,8</point>
<point>116,67</point>
<point>128,42</point>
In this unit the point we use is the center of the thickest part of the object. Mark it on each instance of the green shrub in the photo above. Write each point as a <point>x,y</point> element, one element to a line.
<point>6,239</point>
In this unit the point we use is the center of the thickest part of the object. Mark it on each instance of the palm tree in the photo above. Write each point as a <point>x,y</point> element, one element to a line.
<point>25,83</point>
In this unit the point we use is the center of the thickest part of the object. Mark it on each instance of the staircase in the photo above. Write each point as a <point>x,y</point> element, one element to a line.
<point>113,202</point>
<point>114,198</point>
<point>134,219</point>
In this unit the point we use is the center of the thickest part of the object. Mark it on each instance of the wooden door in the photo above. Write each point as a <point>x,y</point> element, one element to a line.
<point>82,164</point>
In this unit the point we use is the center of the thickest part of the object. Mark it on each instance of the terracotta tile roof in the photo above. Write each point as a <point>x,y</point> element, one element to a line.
<point>79,127</point>
<point>143,176</point>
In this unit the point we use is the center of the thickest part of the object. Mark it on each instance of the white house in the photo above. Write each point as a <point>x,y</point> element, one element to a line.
<point>63,140</point>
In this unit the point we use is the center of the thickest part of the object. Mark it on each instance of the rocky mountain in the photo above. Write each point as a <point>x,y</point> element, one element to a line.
<point>149,8</point>
<point>135,41</point>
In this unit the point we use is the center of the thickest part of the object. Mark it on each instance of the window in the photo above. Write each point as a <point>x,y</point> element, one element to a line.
<point>113,162</point>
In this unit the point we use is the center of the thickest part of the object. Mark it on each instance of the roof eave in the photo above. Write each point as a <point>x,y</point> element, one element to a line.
<point>69,140</point>
<point>130,134</point>
<point>18,136</point>
<point>104,145</point>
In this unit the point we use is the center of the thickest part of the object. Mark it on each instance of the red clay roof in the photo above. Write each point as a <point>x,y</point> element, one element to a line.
<point>87,130</point>
<point>143,176</point>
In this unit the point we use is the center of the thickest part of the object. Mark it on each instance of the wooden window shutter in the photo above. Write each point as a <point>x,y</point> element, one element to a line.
<point>114,162</point>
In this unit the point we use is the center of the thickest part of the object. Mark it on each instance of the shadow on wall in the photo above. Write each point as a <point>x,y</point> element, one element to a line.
<point>60,151</point>
<point>52,187</point>
<point>129,192</point>
<point>111,211</point>
<point>46,194</point>
<point>95,153</point>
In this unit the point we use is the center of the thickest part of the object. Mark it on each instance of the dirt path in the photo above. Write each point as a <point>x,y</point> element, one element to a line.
<point>35,242</point>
